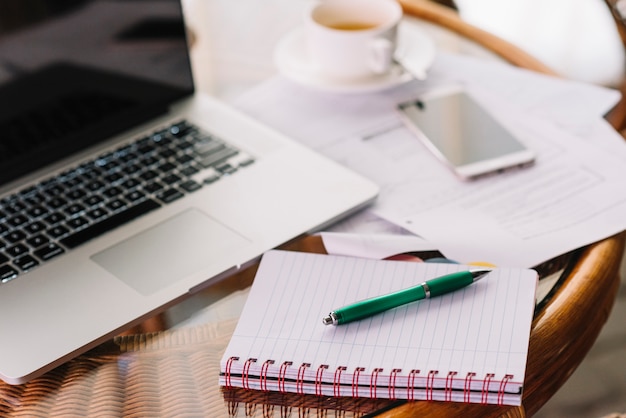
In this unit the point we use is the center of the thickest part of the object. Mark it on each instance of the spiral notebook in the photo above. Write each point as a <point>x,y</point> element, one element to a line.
<point>467,346</point>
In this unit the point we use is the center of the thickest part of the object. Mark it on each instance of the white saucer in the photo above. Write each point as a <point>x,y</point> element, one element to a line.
<point>415,50</point>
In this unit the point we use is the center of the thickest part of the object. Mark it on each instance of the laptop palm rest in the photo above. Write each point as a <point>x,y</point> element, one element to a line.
<point>173,249</point>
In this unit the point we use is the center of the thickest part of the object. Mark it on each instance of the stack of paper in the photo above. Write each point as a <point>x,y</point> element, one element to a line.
<point>571,197</point>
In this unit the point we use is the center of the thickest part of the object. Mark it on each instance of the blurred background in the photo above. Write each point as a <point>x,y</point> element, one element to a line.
<point>576,38</point>
<point>579,39</point>
<point>598,387</point>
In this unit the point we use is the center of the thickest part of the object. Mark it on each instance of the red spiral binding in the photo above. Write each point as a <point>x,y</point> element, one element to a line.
<point>355,381</point>
<point>263,377</point>
<point>318,379</point>
<point>485,392</point>
<point>449,382</point>
<point>245,376</point>
<point>467,388</point>
<point>430,383</point>
<point>374,383</point>
<point>227,372</point>
<point>281,376</point>
<point>337,380</point>
<point>392,383</point>
<point>410,387</point>
<point>300,378</point>
<point>502,388</point>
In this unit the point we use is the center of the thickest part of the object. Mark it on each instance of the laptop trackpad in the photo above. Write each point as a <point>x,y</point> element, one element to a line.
<point>169,251</point>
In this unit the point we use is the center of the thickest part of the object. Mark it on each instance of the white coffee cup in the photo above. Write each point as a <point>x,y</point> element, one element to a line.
<point>352,39</point>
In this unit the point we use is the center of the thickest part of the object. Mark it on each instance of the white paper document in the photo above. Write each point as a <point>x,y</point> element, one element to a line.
<point>572,196</point>
<point>376,246</point>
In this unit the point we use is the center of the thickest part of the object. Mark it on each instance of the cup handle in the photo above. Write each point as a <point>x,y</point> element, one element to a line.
<point>381,55</point>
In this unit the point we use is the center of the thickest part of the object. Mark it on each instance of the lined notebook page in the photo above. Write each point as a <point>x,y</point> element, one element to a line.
<point>482,329</point>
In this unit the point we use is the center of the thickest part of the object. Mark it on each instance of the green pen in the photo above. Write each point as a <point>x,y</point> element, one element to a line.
<point>434,287</point>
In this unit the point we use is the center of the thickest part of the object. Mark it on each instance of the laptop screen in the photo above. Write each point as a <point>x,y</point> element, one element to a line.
<point>75,72</point>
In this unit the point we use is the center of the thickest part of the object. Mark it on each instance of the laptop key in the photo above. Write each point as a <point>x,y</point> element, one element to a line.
<point>112,192</point>
<point>34,227</point>
<point>15,236</point>
<point>190,170</point>
<point>153,187</point>
<point>7,273</point>
<point>37,211</point>
<point>56,202</point>
<point>95,185</point>
<point>134,195</point>
<point>72,182</point>
<point>214,159</point>
<point>35,199</point>
<point>54,190</point>
<point>14,207</point>
<point>169,195</point>
<point>76,194</point>
<point>99,228</point>
<point>180,129</point>
<point>166,167</point>
<point>149,175</point>
<point>130,184</point>
<point>167,153</point>
<point>17,250</point>
<point>77,222</point>
<point>128,156</point>
<point>54,218</point>
<point>49,251</point>
<point>145,148</point>
<point>115,204</point>
<point>74,208</point>
<point>93,200</point>
<point>149,160</point>
<point>170,179</point>
<point>26,262</point>
<point>206,146</point>
<point>131,169</point>
<point>97,213</point>
<point>190,186</point>
<point>226,168</point>
<point>37,240</point>
<point>113,177</point>
<point>57,231</point>
<point>18,220</point>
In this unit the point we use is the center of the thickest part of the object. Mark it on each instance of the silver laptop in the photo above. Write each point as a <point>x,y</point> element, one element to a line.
<point>121,189</point>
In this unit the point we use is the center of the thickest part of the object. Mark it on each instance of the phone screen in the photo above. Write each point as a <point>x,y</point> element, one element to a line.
<point>464,134</point>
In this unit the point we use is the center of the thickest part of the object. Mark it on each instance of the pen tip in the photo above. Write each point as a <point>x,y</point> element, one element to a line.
<point>479,273</point>
<point>327,320</point>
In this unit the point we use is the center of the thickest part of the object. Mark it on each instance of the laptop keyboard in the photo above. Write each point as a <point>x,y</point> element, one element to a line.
<point>46,220</point>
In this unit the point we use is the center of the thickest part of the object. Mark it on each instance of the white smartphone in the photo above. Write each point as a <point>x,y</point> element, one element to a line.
<point>464,135</point>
